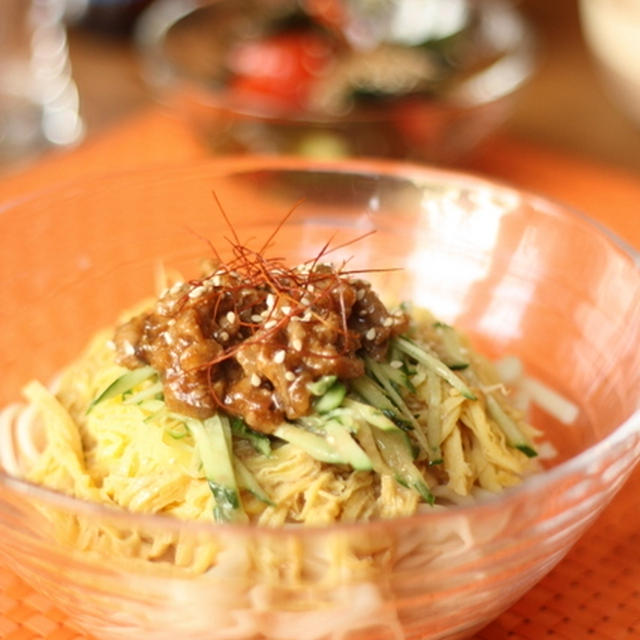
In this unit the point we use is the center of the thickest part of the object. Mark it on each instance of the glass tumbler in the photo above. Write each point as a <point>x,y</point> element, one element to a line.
<point>39,104</point>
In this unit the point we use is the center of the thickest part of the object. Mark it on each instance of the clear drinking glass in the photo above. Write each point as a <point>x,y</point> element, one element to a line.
<point>38,97</point>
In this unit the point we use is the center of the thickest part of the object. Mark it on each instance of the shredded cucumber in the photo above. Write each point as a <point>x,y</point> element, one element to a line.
<point>452,347</point>
<point>434,364</point>
<point>515,437</point>
<point>434,417</point>
<point>331,399</point>
<point>247,481</point>
<point>124,383</point>
<point>396,452</point>
<point>322,385</point>
<point>315,445</point>
<point>370,414</point>
<point>374,395</point>
<point>396,398</point>
<point>213,438</point>
<point>258,440</point>
<point>150,392</point>
<point>347,448</point>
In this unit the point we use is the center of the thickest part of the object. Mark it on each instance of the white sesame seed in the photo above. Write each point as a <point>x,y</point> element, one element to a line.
<point>371,334</point>
<point>216,280</point>
<point>255,380</point>
<point>297,344</point>
<point>278,357</point>
<point>168,338</point>
<point>363,312</point>
<point>395,364</point>
<point>129,349</point>
<point>223,336</point>
<point>197,292</point>
<point>305,300</point>
<point>310,288</point>
<point>176,287</point>
<point>111,344</point>
<point>290,376</point>
<point>231,317</point>
<point>360,294</point>
<point>307,316</point>
<point>270,324</point>
<point>271,300</point>
<point>387,322</point>
<point>256,318</point>
<point>286,310</point>
<point>164,292</point>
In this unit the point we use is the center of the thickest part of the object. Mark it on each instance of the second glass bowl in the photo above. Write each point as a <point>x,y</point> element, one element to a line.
<point>264,77</point>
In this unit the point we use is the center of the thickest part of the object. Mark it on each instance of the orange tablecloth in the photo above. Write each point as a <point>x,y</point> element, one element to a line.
<point>594,592</point>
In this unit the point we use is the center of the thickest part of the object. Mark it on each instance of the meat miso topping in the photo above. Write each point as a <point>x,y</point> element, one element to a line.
<point>251,342</point>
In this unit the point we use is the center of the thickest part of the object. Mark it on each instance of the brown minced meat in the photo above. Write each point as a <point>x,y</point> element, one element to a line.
<point>227,342</point>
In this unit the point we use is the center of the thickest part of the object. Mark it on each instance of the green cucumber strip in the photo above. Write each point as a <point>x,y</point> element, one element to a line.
<point>340,439</point>
<point>396,398</point>
<point>212,443</point>
<point>332,398</point>
<point>316,446</point>
<point>145,394</point>
<point>370,447</point>
<point>178,432</point>
<point>321,385</point>
<point>528,451</point>
<point>451,344</point>
<point>396,453</point>
<point>434,417</point>
<point>343,415</point>
<point>373,394</point>
<point>125,382</point>
<point>153,405</point>
<point>434,364</point>
<point>247,480</point>
<point>259,441</point>
<point>177,435</point>
<point>515,437</point>
<point>370,414</point>
<point>397,376</point>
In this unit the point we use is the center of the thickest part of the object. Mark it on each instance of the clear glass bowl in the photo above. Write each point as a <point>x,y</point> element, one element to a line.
<point>521,275</point>
<point>464,85</point>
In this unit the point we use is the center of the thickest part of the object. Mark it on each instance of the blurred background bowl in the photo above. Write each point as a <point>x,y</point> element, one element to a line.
<point>487,257</point>
<point>612,31</point>
<point>426,79</point>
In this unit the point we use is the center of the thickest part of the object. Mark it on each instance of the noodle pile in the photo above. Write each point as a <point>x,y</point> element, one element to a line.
<point>135,457</point>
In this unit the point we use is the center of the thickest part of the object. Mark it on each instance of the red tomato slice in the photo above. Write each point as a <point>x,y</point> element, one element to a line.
<point>279,71</point>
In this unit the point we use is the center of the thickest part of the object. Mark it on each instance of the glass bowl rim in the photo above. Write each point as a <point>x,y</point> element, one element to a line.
<point>228,165</point>
<point>163,73</point>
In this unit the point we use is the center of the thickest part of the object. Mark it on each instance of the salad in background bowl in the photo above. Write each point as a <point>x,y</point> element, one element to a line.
<point>422,79</point>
